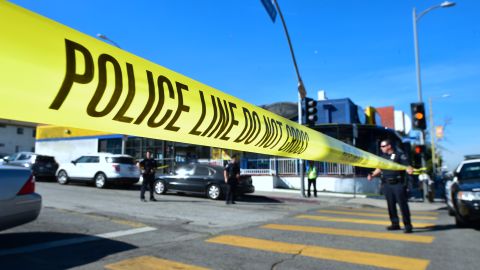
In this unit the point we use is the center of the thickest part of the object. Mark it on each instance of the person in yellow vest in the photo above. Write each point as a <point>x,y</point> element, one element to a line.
<point>312,178</point>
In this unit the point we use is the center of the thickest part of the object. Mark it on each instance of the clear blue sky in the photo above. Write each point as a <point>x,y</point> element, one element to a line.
<point>356,49</point>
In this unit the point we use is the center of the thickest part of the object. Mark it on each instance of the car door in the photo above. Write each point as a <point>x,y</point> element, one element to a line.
<point>197,182</point>
<point>77,170</point>
<point>179,181</point>
<point>91,167</point>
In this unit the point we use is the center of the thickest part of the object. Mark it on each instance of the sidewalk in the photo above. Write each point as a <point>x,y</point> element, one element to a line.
<point>360,199</point>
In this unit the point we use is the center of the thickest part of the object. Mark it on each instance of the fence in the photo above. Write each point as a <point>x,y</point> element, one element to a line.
<point>287,166</point>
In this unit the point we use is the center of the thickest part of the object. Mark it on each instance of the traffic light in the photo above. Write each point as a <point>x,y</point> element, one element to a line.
<point>309,109</point>
<point>418,151</point>
<point>418,116</point>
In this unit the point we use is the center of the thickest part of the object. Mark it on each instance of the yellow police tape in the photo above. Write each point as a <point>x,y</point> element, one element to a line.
<point>52,74</point>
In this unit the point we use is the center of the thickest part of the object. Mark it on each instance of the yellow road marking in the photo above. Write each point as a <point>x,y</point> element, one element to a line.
<point>370,214</point>
<point>361,221</point>
<point>151,263</point>
<point>376,210</point>
<point>354,233</point>
<point>128,223</point>
<point>341,255</point>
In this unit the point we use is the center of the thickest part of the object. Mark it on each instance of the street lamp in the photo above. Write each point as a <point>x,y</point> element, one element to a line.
<point>416,18</point>
<point>104,37</point>
<point>124,137</point>
<point>432,134</point>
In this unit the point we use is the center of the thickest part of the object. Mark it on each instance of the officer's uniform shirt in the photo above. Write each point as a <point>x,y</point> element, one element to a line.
<point>232,170</point>
<point>392,176</point>
<point>149,165</point>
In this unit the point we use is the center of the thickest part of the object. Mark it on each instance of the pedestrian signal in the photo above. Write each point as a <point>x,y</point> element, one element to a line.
<point>418,116</point>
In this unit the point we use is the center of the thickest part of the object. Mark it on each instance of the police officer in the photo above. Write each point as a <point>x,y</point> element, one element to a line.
<point>232,176</point>
<point>148,167</point>
<point>395,188</point>
<point>312,178</point>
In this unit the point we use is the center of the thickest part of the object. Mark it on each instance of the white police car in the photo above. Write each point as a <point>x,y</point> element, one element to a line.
<point>465,191</point>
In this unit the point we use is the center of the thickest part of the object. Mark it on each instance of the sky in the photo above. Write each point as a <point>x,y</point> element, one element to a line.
<point>351,49</point>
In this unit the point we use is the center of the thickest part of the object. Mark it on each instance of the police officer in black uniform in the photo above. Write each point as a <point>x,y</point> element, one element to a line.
<point>148,167</point>
<point>232,177</point>
<point>394,187</point>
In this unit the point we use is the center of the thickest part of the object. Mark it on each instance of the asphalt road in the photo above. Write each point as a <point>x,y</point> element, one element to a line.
<point>81,227</point>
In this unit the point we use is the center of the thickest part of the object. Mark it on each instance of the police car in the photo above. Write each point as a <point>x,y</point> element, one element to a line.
<point>465,191</point>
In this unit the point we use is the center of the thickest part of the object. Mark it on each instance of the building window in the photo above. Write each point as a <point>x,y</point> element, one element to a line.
<point>113,146</point>
<point>19,130</point>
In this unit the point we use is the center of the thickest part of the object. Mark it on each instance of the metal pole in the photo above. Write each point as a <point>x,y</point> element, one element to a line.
<point>417,55</point>
<point>301,93</point>
<point>124,137</point>
<point>432,139</point>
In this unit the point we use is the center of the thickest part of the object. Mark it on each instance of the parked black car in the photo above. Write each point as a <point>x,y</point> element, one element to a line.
<point>44,167</point>
<point>465,192</point>
<point>200,179</point>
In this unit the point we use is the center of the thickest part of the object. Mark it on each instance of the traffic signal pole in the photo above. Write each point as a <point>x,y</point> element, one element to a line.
<point>432,138</point>
<point>301,94</point>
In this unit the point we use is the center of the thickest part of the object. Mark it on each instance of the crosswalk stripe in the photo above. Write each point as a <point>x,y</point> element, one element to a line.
<point>361,221</point>
<point>371,214</point>
<point>318,252</point>
<point>151,263</point>
<point>376,210</point>
<point>424,239</point>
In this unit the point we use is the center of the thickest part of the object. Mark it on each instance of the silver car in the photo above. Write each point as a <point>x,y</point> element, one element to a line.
<point>24,159</point>
<point>19,203</point>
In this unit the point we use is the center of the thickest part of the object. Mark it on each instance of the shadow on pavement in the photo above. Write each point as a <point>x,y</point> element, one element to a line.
<point>204,199</point>
<point>446,227</point>
<point>55,251</point>
<point>257,199</point>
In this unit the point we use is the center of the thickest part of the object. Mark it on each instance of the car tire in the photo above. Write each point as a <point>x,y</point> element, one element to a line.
<point>100,180</point>
<point>62,177</point>
<point>451,212</point>
<point>214,192</point>
<point>159,187</point>
<point>459,222</point>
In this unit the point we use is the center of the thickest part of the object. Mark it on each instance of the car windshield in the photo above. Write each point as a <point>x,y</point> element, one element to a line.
<point>121,160</point>
<point>470,171</point>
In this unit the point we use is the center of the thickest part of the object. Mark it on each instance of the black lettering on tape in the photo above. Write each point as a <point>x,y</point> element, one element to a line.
<point>287,140</point>
<point>103,59</point>
<point>247,116</point>
<point>214,119</point>
<point>194,130</point>
<point>250,130</point>
<point>180,107</point>
<point>278,132</point>
<point>120,116</point>
<point>71,74</point>
<point>233,122</point>
<point>266,135</point>
<point>150,100</point>
<point>257,128</point>
<point>223,118</point>
<point>161,82</point>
